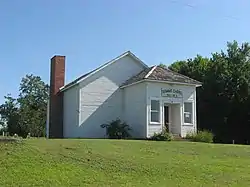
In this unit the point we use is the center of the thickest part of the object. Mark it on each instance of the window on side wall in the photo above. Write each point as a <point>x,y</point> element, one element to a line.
<point>155,111</point>
<point>188,112</point>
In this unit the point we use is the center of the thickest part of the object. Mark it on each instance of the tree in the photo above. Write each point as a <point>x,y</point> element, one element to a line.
<point>2,123</point>
<point>224,98</point>
<point>33,98</point>
<point>162,65</point>
<point>10,113</point>
<point>27,113</point>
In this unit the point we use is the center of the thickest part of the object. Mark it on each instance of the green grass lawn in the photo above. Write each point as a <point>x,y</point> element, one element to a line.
<point>40,162</point>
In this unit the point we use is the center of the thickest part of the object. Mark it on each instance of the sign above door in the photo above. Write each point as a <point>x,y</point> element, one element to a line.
<point>173,93</point>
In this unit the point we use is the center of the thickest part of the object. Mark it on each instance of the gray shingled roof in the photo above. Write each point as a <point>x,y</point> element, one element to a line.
<point>160,74</point>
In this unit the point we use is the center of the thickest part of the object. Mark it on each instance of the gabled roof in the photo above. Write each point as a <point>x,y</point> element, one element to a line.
<point>83,77</point>
<point>157,73</point>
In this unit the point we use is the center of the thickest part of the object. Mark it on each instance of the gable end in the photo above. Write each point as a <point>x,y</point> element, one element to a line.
<point>85,76</point>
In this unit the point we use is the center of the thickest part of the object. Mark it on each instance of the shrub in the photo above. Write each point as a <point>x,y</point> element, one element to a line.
<point>201,136</point>
<point>162,136</point>
<point>190,135</point>
<point>117,129</point>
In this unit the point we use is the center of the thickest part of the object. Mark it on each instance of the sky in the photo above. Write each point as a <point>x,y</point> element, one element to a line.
<point>92,32</point>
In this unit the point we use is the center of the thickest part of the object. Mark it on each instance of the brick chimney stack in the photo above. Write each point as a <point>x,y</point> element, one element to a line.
<point>57,79</point>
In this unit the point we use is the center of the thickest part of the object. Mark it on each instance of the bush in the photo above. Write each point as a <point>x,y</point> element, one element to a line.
<point>190,135</point>
<point>117,129</point>
<point>201,136</point>
<point>162,136</point>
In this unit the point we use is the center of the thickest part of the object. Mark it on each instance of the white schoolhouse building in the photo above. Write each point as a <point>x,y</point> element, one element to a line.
<point>149,99</point>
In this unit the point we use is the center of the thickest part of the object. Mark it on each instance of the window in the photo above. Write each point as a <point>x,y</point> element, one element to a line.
<point>188,113</point>
<point>155,111</point>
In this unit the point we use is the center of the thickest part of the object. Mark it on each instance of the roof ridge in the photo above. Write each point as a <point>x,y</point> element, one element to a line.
<point>150,72</point>
<point>161,74</point>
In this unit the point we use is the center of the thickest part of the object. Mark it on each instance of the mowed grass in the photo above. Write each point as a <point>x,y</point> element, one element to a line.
<point>81,162</point>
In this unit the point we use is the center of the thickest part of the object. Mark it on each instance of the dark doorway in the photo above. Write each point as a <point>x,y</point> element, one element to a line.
<point>166,117</point>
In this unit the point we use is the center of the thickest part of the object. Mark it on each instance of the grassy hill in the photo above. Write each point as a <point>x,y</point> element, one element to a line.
<point>40,162</point>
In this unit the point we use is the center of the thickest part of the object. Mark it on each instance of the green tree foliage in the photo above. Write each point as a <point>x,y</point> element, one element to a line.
<point>162,65</point>
<point>223,101</point>
<point>27,113</point>
<point>10,113</point>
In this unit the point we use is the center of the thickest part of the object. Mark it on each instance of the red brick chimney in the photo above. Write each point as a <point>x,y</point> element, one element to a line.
<point>57,79</point>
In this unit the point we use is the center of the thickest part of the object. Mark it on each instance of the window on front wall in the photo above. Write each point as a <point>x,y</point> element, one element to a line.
<point>155,111</point>
<point>188,113</point>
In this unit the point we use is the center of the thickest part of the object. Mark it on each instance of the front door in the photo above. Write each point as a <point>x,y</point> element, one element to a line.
<point>167,117</point>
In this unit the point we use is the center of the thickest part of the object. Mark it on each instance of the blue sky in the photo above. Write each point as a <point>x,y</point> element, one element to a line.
<point>91,32</point>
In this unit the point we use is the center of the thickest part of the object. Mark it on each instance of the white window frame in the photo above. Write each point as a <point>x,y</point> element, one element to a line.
<point>159,111</point>
<point>192,113</point>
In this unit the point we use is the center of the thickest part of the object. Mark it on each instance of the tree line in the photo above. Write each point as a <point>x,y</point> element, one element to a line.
<point>26,113</point>
<point>223,101</point>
